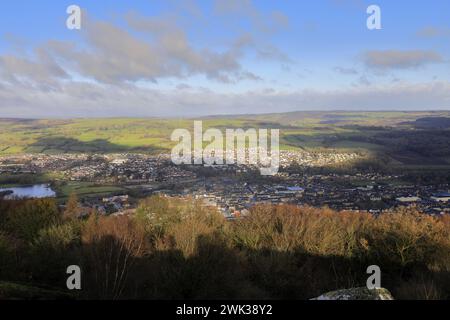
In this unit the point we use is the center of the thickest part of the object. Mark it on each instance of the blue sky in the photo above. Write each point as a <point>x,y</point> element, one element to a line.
<point>188,58</point>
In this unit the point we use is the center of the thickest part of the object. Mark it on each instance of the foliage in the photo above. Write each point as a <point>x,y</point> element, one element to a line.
<point>30,216</point>
<point>178,249</point>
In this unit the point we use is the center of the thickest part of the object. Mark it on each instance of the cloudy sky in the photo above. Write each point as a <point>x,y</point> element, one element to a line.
<point>189,58</point>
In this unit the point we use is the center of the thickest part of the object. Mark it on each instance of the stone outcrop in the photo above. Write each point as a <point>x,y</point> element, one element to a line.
<point>357,294</point>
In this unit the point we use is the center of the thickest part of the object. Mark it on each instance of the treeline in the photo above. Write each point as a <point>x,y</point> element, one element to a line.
<point>178,249</point>
<point>22,179</point>
<point>367,164</point>
<point>430,176</point>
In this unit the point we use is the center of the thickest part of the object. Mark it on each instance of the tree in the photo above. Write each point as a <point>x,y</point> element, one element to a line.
<point>31,216</point>
<point>72,208</point>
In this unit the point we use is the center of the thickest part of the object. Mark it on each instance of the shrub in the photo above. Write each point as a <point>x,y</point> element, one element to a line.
<point>110,246</point>
<point>176,220</point>
<point>52,251</point>
<point>26,220</point>
<point>407,238</point>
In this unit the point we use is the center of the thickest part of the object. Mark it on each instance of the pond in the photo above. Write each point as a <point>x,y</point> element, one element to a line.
<point>34,191</point>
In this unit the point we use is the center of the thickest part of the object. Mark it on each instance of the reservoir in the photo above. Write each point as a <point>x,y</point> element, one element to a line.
<point>34,191</point>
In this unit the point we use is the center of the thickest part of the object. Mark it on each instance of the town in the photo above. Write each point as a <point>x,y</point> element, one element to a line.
<point>115,183</point>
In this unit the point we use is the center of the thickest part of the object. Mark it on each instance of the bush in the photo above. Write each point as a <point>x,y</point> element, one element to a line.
<point>406,238</point>
<point>26,220</point>
<point>167,220</point>
<point>110,246</point>
<point>52,251</point>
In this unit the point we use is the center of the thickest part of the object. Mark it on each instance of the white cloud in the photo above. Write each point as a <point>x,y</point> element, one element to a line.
<point>397,59</point>
<point>41,70</point>
<point>267,22</point>
<point>147,49</point>
<point>116,55</point>
<point>87,100</point>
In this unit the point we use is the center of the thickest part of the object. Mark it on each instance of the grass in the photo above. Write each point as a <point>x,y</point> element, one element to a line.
<point>86,189</point>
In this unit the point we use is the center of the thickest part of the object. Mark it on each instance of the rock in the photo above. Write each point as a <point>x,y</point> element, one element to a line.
<point>357,294</point>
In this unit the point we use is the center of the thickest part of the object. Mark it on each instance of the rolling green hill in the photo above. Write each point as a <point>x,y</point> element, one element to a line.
<point>409,137</point>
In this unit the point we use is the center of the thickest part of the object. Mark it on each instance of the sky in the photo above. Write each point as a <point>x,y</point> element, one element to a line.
<point>187,58</point>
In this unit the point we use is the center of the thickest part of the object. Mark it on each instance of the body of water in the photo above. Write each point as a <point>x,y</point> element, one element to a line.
<point>34,191</point>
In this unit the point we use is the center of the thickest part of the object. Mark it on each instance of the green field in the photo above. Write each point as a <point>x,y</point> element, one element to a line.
<point>407,137</point>
<point>86,189</point>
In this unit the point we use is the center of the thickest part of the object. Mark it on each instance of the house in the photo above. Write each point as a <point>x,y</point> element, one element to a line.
<point>441,197</point>
<point>408,199</point>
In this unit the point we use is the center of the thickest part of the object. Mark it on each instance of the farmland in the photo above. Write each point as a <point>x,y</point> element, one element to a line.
<point>408,138</point>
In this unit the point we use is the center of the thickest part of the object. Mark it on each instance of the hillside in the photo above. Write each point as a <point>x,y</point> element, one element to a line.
<point>175,248</point>
<point>411,138</point>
